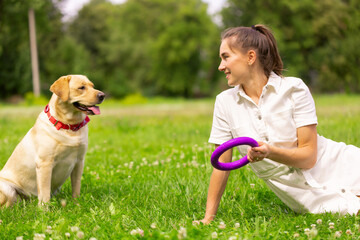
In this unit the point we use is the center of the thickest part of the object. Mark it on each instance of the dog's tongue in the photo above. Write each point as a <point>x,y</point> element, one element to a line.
<point>95,110</point>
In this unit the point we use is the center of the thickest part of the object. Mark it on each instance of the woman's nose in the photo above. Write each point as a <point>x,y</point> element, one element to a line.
<point>221,67</point>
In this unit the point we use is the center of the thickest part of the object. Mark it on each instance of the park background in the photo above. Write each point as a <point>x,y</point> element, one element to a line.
<point>170,48</point>
<point>148,165</point>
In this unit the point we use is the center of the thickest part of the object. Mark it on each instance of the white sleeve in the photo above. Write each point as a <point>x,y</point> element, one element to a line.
<point>220,131</point>
<point>304,105</point>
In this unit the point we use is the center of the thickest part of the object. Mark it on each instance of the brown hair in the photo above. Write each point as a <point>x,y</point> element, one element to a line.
<point>261,39</point>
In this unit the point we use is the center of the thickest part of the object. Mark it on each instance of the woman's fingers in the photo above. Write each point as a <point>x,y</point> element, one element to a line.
<point>255,154</point>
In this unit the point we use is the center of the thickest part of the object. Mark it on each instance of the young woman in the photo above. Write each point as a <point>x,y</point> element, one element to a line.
<point>308,172</point>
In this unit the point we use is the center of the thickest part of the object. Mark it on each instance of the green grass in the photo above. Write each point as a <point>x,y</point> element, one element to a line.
<point>148,167</point>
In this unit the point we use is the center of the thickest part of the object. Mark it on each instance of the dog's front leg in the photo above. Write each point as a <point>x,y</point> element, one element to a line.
<point>44,169</point>
<point>76,178</point>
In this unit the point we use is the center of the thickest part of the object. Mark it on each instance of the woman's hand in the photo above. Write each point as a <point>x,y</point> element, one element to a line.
<point>204,221</point>
<point>303,156</point>
<point>256,154</point>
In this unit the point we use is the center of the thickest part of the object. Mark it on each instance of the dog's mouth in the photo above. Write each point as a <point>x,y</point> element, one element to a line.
<point>88,110</point>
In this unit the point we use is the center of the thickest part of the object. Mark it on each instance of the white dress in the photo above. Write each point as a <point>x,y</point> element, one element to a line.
<point>285,105</point>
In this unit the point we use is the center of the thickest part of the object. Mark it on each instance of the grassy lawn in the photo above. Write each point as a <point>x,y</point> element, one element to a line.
<point>148,168</point>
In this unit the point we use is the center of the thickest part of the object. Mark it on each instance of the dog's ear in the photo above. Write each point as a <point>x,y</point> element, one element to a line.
<point>61,88</point>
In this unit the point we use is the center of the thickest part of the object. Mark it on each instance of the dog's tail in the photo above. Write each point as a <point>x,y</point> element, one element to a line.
<point>8,194</point>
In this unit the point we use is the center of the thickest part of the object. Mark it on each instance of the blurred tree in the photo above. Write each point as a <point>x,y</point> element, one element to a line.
<point>69,57</point>
<point>151,46</point>
<point>94,31</point>
<point>59,53</point>
<point>15,68</point>
<point>316,38</point>
<point>171,47</point>
<point>338,60</point>
<point>15,65</point>
<point>181,48</point>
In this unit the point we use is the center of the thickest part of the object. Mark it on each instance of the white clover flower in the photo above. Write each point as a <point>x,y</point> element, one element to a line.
<point>313,233</point>
<point>222,225</point>
<point>49,230</point>
<point>140,232</point>
<point>319,221</point>
<point>182,233</point>
<point>80,234</point>
<point>237,225</point>
<point>296,235</point>
<point>63,202</point>
<point>313,225</point>
<point>153,225</point>
<point>19,238</point>
<point>307,231</point>
<point>137,231</point>
<point>92,238</point>
<point>232,238</point>
<point>195,164</point>
<point>39,236</point>
<point>337,234</point>
<point>74,229</point>
<point>67,234</point>
<point>214,235</point>
<point>348,232</point>
<point>331,225</point>
<point>252,185</point>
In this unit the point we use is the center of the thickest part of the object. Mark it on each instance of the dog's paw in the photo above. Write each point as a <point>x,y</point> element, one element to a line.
<point>44,206</point>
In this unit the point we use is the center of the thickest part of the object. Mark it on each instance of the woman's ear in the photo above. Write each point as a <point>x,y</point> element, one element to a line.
<point>251,54</point>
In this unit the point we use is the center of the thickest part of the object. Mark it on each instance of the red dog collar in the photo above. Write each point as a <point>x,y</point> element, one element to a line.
<point>59,124</point>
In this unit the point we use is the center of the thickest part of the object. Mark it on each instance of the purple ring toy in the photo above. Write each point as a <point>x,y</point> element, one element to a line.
<point>227,145</point>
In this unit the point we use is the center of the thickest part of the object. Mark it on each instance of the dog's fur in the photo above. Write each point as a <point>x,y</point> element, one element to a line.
<point>46,157</point>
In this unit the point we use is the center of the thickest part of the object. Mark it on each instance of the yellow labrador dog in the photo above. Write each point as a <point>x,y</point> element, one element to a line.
<point>54,148</point>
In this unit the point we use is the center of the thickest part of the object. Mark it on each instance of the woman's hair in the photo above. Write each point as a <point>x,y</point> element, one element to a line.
<point>259,38</point>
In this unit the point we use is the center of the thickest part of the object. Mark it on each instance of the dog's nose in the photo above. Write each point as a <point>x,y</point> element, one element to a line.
<point>101,96</point>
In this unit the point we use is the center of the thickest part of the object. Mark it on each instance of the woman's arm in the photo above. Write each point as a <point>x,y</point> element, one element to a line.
<point>217,186</point>
<point>304,156</point>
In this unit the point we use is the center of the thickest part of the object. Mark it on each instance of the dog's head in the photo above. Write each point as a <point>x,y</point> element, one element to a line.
<point>79,91</point>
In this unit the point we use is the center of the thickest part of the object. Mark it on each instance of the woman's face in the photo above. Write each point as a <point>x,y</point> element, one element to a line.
<point>233,63</point>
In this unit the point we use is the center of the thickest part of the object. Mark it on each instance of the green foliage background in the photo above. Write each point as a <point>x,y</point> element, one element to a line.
<point>317,39</point>
<point>170,48</point>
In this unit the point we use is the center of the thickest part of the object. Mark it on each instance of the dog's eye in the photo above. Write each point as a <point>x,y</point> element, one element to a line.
<point>82,88</point>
